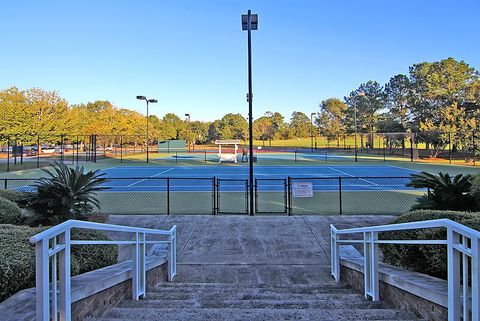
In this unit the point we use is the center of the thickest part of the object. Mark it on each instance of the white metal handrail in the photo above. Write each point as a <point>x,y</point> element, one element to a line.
<point>463,261</point>
<point>52,263</point>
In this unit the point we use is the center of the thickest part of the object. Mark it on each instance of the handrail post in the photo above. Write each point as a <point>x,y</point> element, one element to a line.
<point>374,267</point>
<point>172,253</point>
<point>64,303</point>
<point>142,266</point>
<point>370,265</point>
<point>42,281</point>
<point>335,255</point>
<point>453,261</point>
<point>475,279</point>
<point>136,268</point>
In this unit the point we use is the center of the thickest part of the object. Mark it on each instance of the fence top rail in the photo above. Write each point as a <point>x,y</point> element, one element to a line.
<point>62,227</point>
<point>440,223</point>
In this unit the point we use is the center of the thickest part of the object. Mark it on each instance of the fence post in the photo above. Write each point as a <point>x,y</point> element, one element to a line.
<point>176,157</point>
<point>285,193</point>
<point>289,188</point>
<point>450,147</point>
<point>38,151</point>
<point>295,157</point>
<point>384,149</point>
<point>473,147</point>
<point>8,155</point>
<point>6,183</point>
<point>62,146</point>
<point>168,195</point>
<point>121,148</point>
<point>340,193</point>
<point>78,143</point>
<point>205,150</point>
<point>214,191</point>
<point>412,142</point>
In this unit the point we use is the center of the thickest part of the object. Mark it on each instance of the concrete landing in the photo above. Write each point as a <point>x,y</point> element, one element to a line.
<point>250,249</point>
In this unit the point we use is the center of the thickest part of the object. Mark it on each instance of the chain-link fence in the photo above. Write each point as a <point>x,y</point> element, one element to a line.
<point>211,195</point>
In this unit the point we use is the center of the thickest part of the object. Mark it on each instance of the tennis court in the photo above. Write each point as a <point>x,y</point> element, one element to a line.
<point>197,178</point>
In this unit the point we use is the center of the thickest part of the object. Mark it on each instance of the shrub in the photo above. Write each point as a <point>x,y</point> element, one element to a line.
<point>9,212</point>
<point>17,256</point>
<point>428,259</point>
<point>475,189</point>
<point>445,193</point>
<point>20,198</point>
<point>68,193</point>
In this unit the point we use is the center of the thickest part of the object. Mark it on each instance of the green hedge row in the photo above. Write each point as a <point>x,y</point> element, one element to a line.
<point>428,259</point>
<point>9,212</point>
<point>17,256</point>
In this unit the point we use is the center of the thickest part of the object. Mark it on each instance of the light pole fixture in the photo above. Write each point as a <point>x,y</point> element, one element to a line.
<point>354,101</point>
<point>152,101</point>
<point>249,23</point>
<point>188,130</point>
<point>311,131</point>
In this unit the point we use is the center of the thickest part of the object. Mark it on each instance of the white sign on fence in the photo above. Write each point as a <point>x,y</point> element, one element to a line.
<point>302,189</point>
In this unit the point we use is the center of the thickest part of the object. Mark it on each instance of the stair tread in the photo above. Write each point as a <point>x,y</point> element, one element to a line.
<point>256,314</point>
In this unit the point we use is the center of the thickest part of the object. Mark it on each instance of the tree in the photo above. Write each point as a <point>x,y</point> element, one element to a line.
<point>368,108</point>
<point>262,128</point>
<point>331,118</point>
<point>233,126</point>
<point>445,98</point>
<point>300,124</point>
<point>397,93</point>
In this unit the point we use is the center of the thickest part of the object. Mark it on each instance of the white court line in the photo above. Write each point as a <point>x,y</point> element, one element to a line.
<point>406,169</point>
<point>342,172</point>
<point>170,169</point>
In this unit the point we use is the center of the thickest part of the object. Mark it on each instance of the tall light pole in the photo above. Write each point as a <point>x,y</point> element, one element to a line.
<point>360,94</point>
<point>311,131</point>
<point>249,23</point>
<point>153,101</point>
<point>188,130</point>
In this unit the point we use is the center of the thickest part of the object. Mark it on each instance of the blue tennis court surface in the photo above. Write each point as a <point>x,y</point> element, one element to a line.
<point>199,178</point>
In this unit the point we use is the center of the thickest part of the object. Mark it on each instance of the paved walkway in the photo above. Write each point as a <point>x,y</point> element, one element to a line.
<point>245,249</point>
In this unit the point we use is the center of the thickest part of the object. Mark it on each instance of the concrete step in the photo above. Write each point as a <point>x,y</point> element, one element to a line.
<point>251,295</point>
<point>236,288</point>
<point>211,314</point>
<point>222,303</point>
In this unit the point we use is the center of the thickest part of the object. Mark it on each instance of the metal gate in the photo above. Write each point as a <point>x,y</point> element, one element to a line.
<point>271,195</point>
<point>231,196</point>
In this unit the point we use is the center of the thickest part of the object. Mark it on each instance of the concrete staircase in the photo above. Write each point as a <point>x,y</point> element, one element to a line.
<point>187,301</point>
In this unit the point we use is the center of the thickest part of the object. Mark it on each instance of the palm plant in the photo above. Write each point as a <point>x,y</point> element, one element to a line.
<point>444,193</point>
<point>68,193</point>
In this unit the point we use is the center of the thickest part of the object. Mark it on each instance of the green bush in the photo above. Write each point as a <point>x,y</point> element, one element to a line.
<point>19,198</point>
<point>475,189</point>
<point>428,259</point>
<point>9,212</point>
<point>17,256</point>
<point>446,192</point>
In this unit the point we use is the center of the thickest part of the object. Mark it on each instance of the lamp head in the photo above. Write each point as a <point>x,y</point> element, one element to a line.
<point>141,97</point>
<point>152,101</point>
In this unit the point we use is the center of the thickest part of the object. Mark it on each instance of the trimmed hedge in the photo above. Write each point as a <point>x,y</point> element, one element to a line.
<point>17,256</point>
<point>427,259</point>
<point>19,198</point>
<point>9,212</point>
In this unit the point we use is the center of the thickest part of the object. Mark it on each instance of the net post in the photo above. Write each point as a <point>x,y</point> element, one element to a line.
<point>412,142</point>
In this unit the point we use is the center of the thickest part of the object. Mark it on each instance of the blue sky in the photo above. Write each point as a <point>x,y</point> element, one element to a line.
<point>191,55</point>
